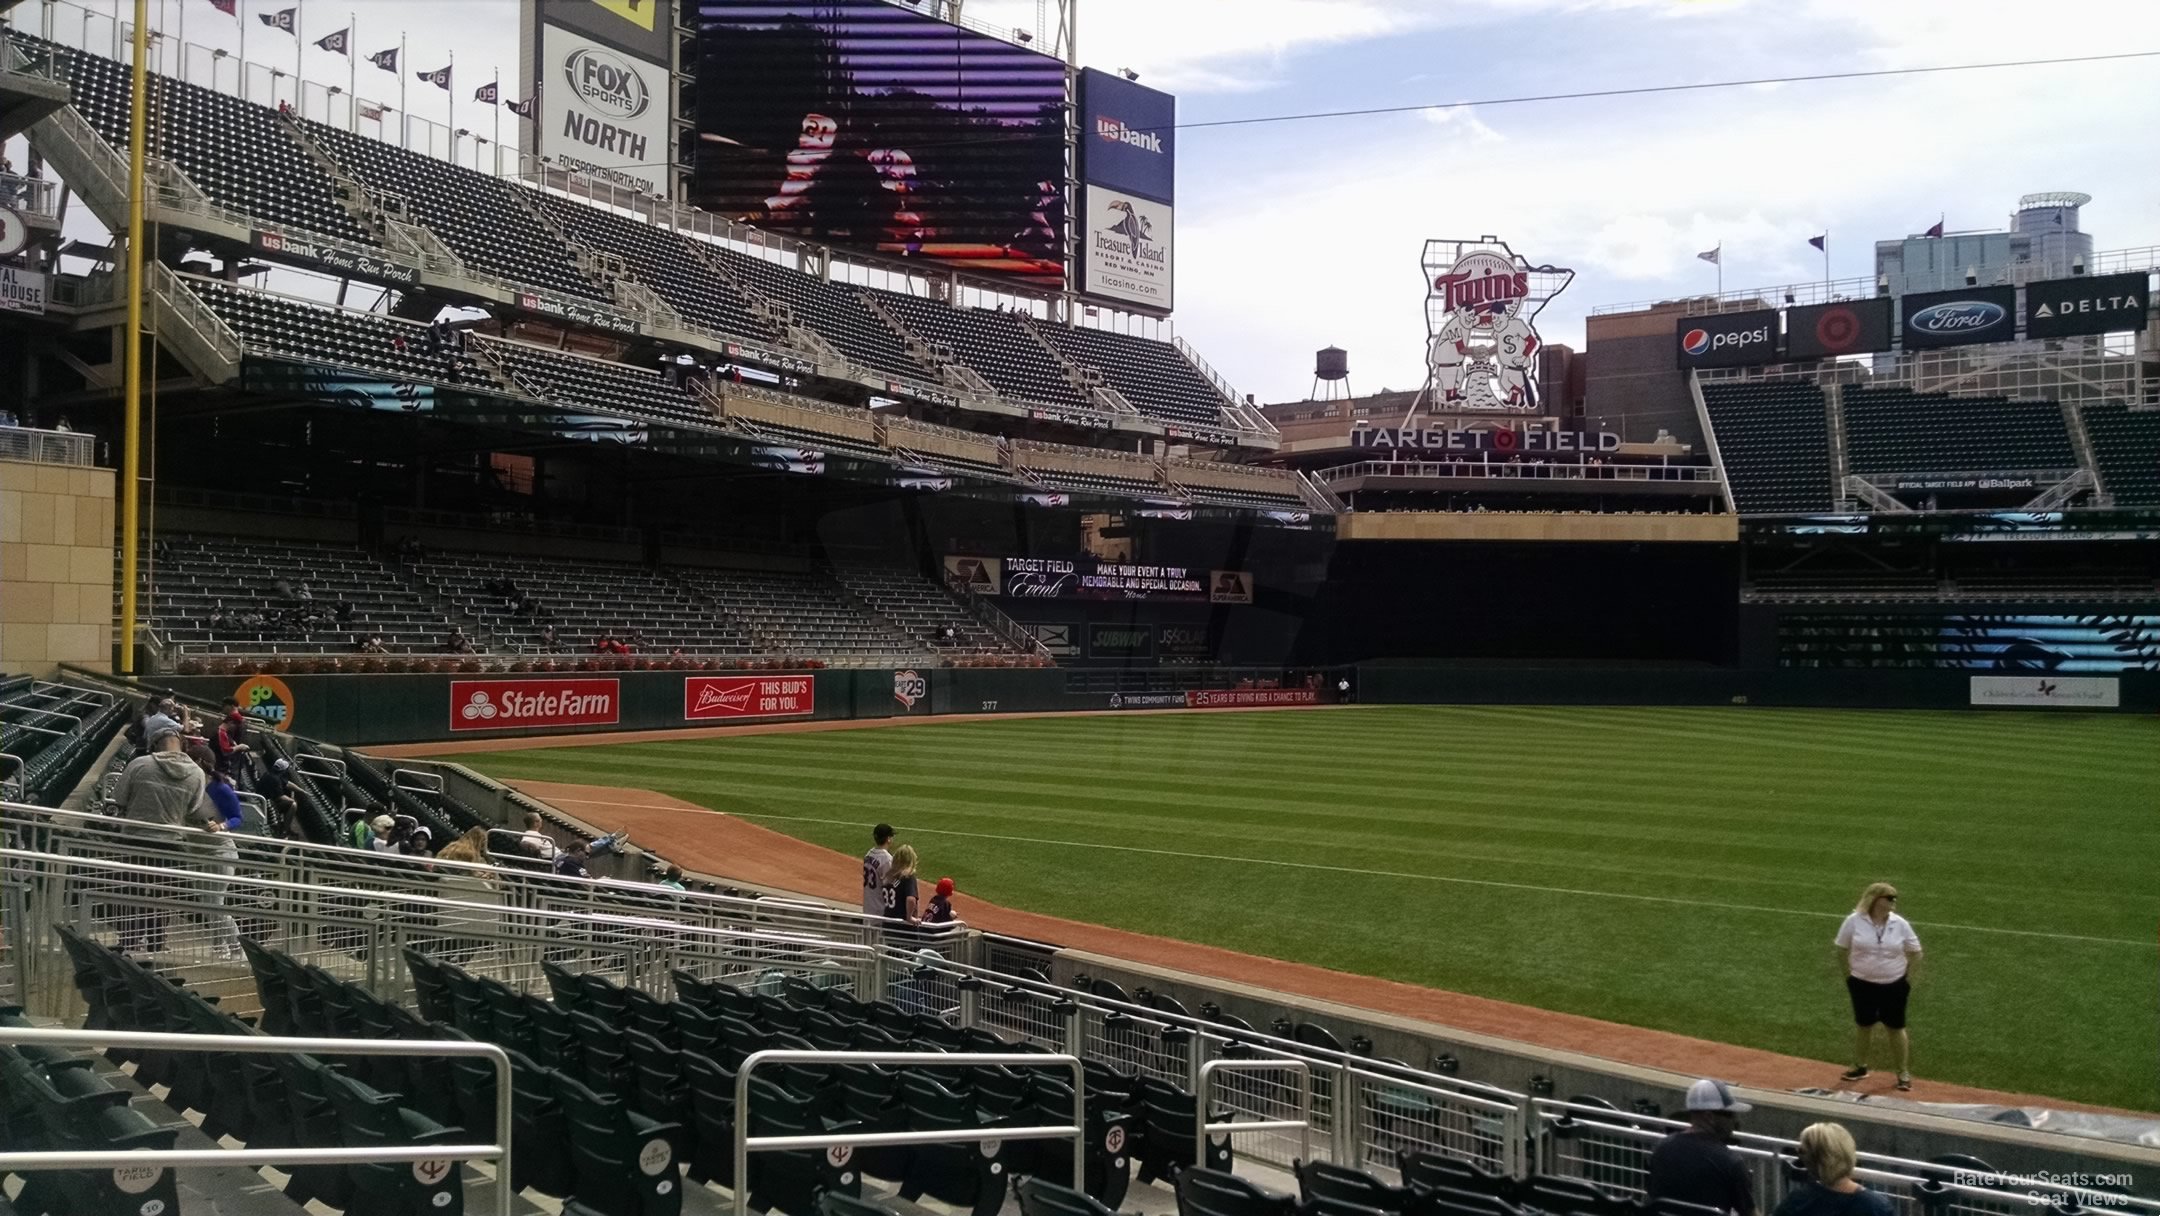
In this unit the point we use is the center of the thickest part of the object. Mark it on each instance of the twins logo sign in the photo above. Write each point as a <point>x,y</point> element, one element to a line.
<point>1481,300</point>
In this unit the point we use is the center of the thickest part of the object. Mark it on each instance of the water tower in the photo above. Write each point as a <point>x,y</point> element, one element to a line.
<point>1331,367</point>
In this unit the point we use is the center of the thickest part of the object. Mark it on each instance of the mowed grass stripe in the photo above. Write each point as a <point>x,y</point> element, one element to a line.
<point>2028,822</point>
<point>1753,858</point>
<point>1168,805</point>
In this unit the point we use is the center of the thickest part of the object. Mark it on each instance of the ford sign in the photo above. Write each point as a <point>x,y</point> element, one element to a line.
<point>606,82</point>
<point>1958,316</point>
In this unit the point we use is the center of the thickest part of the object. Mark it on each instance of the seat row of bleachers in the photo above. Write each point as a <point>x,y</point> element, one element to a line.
<point>798,612</point>
<point>258,161</point>
<point>996,344</point>
<point>578,381</point>
<point>486,221</point>
<point>919,608</point>
<point>1159,381</point>
<point>1774,439</point>
<point>235,151</point>
<point>663,261</point>
<point>286,328</point>
<point>50,734</point>
<point>258,1100</point>
<point>205,594</point>
<point>1896,430</point>
<point>2126,446</point>
<point>581,601</point>
<point>834,310</point>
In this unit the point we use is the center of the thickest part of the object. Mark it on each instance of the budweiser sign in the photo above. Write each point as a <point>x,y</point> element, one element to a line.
<point>525,704</point>
<point>706,697</point>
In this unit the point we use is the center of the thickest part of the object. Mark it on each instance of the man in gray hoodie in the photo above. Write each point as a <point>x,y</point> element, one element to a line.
<point>164,788</point>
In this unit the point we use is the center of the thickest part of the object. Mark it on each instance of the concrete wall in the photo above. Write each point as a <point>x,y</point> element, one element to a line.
<point>56,567</point>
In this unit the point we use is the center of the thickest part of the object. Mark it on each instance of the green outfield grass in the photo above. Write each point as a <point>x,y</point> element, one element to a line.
<point>1681,869</point>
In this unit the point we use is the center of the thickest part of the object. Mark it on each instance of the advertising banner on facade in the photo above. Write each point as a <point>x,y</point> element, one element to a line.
<point>1962,317</point>
<point>911,691</point>
<point>981,575</point>
<point>1127,249</point>
<point>708,697</point>
<point>1049,578</point>
<point>2098,304</point>
<point>1120,641</point>
<point>1233,698</point>
<point>1128,136</point>
<point>645,28</point>
<point>525,704</point>
<point>604,112</point>
<point>1848,327</point>
<point>1727,339</point>
<point>1230,587</point>
<point>2048,692</point>
<point>21,290</point>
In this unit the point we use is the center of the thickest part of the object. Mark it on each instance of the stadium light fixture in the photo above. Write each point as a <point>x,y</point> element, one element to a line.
<point>1023,35</point>
<point>1128,74</point>
<point>1882,284</point>
<point>2077,266</point>
<point>1972,276</point>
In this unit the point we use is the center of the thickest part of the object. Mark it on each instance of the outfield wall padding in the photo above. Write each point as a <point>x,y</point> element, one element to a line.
<point>371,709</point>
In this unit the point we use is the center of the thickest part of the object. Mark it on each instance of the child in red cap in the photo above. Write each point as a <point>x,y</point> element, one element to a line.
<point>941,911</point>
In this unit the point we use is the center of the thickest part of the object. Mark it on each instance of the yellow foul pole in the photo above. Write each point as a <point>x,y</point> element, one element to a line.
<point>131,387</point>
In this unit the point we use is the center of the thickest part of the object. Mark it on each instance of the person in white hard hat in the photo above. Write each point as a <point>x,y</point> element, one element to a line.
<point>1698,1165</point>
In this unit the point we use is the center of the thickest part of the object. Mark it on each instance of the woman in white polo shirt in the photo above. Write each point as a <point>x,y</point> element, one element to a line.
<point>1880,951</point>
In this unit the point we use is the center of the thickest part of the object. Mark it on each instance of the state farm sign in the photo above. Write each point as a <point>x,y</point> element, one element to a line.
<point>748,697</point>
<point>523,704</point>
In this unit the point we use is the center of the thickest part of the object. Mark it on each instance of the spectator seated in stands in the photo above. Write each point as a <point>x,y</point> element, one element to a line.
<point>458,642</point>
<point>1829,1156</point>
<point>536,842</point>
<point>672,879</point>
<point>409,838</point>
<point>471,847</point>
<point>570,863</point>
<point>275,786</point>
<point>1698,1165</point>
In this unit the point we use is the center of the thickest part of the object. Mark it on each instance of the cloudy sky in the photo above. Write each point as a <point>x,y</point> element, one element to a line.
<point>1296,235</point>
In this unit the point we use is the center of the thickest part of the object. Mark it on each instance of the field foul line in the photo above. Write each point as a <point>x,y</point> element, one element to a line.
<point>1470,882</point>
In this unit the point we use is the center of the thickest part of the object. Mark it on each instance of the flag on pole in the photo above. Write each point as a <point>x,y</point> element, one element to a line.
<point>1934,229</point>
<point>386,60</point>
<point>1820,242</point>
<point>336,43</point>
<point>440,78</point>
<point>488,93</point>
<point>285,18</point>
<point>230,8</point>
<point>1713,256</point>
<point>524,109</point>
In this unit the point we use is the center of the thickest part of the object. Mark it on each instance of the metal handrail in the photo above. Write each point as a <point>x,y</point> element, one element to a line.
<point>99,1040</point>
<point>1503,470</point>
<point>1202,1129</point>
<point>39,446</point>
<point>745,1143</point>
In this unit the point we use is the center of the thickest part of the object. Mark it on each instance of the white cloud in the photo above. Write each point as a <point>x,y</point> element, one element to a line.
<point>1463,119</point>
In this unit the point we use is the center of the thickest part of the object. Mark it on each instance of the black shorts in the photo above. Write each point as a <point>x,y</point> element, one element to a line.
<point>1884,1003</point>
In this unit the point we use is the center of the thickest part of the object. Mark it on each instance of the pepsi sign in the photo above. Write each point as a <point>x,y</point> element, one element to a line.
<point>1728,339</point>
<point>1959,318</point>
<point>1128,137</point>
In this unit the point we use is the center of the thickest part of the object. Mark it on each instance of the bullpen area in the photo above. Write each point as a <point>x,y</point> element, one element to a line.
<point>1676,869</point>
